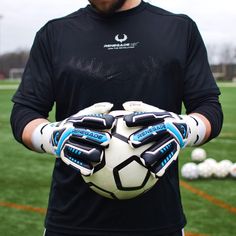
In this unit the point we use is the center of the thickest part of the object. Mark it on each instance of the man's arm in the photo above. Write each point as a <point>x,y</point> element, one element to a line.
<point>29,130</point>
<point>207,125</point>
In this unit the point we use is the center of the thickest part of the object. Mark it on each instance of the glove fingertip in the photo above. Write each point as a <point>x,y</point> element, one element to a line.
<point>160,173</point>
<point>132,143</point>
<point>132,105</point>
<point>103,107</point>
<point>85,172</point>
<point>140,106</point>
<point>154,175</point>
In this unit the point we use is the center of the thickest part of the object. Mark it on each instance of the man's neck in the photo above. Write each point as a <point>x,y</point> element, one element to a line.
<point>129,4</point>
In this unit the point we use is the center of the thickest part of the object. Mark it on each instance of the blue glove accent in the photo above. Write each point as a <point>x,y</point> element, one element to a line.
<point>148,132</point>
<point>89,135</point>
<point>62,139</point>
<point>165,161</point>
<point>94,137</point>
<point>172,128</point>
<point>165,149</point>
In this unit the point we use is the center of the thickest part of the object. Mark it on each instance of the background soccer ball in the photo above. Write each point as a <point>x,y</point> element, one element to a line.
<point>204,170</point>
<point>198,154</point>
<point>212,163</point>
<point>121,175</point>
<point>190,171</point>
<point>233,170</point>
<point>223,168</point>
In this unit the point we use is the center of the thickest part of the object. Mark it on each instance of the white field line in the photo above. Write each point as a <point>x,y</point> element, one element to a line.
<point>225,140</point>
<point>9,87</point>
<point>227,85</point>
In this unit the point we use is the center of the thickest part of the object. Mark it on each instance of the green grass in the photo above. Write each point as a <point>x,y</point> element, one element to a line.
<point>203,216</point>
<point>25,179</point>
<point>9,82</point>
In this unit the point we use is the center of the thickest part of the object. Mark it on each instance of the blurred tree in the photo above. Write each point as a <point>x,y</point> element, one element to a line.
<point>11,60</point>
<point>227,54</point>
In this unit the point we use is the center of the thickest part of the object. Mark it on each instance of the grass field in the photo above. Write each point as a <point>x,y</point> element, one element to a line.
<point>210,205</point>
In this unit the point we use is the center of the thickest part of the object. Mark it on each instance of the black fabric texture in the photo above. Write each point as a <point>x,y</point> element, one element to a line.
<point>145,54</point>
<point>51,233</point>
<point>21,115</point>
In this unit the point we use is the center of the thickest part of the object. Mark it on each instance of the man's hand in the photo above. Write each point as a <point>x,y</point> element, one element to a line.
<point>167,130</point>
<point>79,140</point>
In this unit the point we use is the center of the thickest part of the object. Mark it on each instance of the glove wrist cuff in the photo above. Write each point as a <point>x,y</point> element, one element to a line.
<point>41,138</point>
<point>197,130</point>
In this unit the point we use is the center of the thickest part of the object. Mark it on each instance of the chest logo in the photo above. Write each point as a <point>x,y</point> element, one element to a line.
<point>120,42</point>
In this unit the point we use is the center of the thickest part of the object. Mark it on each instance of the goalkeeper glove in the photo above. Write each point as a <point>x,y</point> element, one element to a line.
<point>79,140</point>
<point>167,130</point>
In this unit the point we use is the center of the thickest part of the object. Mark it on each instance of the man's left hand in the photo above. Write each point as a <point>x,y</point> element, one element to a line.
<point>169,132</point>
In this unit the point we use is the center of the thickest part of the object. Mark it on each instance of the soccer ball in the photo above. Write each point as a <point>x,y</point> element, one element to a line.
<point>121,175</point>
<point>204,170</point>
<point>227,164</point>
<point>190,171</point>
<point>233,170</point>
<point>198,154</point>
<point>211,164</point>
<point>223,168</point>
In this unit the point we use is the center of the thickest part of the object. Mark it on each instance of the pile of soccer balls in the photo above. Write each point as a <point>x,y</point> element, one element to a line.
<point>203,167</point>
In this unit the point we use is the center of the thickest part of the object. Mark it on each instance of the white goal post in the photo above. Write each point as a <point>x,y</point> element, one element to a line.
<point>16,73</point>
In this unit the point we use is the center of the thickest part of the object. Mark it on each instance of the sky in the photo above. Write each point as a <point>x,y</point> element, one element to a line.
<point>21,19</point>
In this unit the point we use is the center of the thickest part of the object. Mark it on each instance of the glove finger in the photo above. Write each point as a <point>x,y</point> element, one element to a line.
<point>82,153</point>
<point>164,154</point>
<point>78,135</point>
<point>96,121</point>
<point>179,131</point>
<point>91,136</point>
<point>101,107</point>
<point>157,152</point>
<point>147,135</point>
<point>56,135</point>
<point>81,158</point>
<point>145,118</point>
<point>140,107</point>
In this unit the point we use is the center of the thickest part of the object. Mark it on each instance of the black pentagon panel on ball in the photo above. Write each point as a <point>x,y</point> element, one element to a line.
<point>118,169</point>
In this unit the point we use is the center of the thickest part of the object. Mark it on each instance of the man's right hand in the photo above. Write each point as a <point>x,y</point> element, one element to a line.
<point>79,140</point>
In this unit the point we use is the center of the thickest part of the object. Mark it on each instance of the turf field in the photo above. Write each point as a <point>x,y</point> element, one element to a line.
<point>210,205</point>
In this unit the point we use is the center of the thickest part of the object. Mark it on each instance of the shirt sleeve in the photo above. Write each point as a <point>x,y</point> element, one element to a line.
<point>36,88</point>
<point>201,93</point>
<point>198,80</point>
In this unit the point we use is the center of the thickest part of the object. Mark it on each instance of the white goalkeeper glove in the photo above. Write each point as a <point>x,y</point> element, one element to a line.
<point>169,132</point>
<point>79,140</point>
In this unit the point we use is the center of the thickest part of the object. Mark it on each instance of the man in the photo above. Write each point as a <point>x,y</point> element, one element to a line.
<point>114,51</point>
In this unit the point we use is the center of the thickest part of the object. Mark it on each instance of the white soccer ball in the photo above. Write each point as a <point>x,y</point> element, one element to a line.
<point>223,168</point>
<point>233,170</point>
<point>226,163</point>
<point>190,171</point>
<point>121,175</point>
<point>204,170</point>
<point>198,154</point>
<point>211,163</point>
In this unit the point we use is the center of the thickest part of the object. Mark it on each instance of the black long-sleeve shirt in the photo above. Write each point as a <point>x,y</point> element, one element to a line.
<point>145,54</point>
